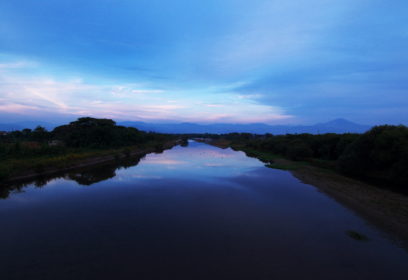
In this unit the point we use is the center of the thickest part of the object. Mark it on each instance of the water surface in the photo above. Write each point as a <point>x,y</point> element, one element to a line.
<point>196,212</point>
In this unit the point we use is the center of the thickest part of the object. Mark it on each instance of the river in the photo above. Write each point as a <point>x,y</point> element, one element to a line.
<point>195,212</point>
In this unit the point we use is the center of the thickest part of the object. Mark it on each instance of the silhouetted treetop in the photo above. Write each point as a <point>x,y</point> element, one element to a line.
<point>92,122</point>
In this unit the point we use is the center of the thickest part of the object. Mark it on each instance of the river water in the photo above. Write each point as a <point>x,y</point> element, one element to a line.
<point>196,212</point>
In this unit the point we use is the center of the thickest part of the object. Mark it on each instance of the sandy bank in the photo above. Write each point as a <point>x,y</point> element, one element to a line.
<point>385,209</point>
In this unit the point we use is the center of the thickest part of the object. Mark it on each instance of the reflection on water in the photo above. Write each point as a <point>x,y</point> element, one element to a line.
<point>196,212</point>
<point>95,174</point>
<point>85,176</point>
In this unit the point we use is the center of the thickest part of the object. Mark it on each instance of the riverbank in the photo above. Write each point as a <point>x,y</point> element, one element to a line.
<point>382,208</point>
<point>27,169</point>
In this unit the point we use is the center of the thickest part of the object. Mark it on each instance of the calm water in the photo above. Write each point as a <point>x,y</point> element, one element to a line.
<point>195,212</point>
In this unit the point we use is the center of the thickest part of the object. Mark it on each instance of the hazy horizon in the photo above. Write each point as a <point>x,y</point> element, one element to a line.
<point>13,119</point>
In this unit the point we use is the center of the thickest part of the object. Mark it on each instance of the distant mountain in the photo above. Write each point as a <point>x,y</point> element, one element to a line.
<point>9,127</point>
<point>26,124</point>
<point>334,126</point>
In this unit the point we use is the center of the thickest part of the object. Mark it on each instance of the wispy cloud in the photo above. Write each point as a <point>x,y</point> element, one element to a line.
<point>215,60</point>
<point>21,93</point>
<point>144,91</point>
<point>17,65</point>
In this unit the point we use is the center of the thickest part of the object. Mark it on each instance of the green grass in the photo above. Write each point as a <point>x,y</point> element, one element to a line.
<point>282,166</point>
<point>271,160</point>
<point>16,165</point>
<point>261,155</point>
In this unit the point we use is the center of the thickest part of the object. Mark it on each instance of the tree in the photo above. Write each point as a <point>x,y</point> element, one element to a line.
<point>380,154</point>
<point>98,133</point>
<point>40,134</point>
<point>298,150</point>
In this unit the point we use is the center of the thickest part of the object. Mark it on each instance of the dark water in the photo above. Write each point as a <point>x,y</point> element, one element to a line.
<point>194,212</point>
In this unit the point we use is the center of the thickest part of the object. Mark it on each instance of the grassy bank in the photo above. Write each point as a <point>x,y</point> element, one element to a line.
<point>86,141</point>
<point>270,159</point>
<point>16,168</point>
<point>378,156</point>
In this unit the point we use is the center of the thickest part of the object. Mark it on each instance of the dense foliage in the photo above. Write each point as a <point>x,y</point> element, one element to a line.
<point>379,155</point>
<point>86,137</point>
<point>90,132</point>
<point>82,133</point>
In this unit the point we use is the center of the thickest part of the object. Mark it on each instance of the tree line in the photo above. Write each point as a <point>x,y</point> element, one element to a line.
<point>88,133</point>
<point>380,155</point>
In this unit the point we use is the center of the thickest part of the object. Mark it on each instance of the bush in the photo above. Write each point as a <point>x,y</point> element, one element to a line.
<point>297,150</point>
<point>380,154</point>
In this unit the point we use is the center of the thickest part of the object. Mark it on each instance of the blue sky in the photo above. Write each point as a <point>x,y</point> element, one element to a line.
<point>277,62</point>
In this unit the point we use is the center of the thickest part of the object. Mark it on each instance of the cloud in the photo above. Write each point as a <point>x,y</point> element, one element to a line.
<point>144,91</point>
<point>215,60</point>
<point>214,105</point>
<point>17,65</point>
<point>27,93</point>
<point>164,161</point>
<point>17,108</point>
<point>128,90</point>
<point>250,96</point>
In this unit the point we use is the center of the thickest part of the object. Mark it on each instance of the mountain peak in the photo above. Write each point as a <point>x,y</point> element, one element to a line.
<point>340,121</point>
<point>335,126</point>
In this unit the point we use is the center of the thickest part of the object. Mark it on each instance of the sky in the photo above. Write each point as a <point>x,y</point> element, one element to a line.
<point>213,61</point>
